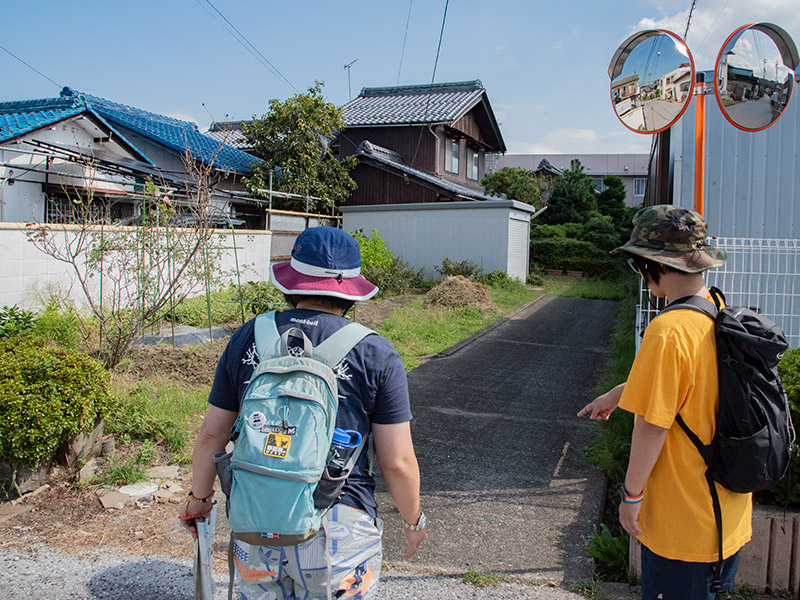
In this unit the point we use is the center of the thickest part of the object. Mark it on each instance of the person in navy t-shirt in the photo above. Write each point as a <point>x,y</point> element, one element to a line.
<point>322,282</point>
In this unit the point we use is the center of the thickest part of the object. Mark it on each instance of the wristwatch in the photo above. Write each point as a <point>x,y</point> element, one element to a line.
<point>420,523</point>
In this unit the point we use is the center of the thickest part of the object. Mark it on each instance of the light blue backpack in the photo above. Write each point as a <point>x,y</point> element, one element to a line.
<point>282,436</point>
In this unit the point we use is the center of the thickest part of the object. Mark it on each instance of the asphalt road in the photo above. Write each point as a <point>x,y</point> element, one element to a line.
<point>504,481</point>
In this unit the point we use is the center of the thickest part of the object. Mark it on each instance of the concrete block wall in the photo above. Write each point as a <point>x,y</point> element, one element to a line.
<point>27,275</point>
<point>769,562</point>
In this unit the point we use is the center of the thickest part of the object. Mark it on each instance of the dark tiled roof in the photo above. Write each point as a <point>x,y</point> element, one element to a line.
<point>438,103</point>
<point>181,136</point>
<point>395,161</point>
<point>546,165</point>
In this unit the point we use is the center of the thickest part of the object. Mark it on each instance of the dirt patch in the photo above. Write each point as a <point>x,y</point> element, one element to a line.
<point>374,312</point>
<point>194,365</point>
<point>69,517</point>
<point>457,290</point>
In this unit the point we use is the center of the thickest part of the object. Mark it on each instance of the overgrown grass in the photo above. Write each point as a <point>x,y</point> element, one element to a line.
<point>131,470</point>
<point>482,580</point>
<point>160,412</point>
<point>417,331</point>
<point>584,287</point>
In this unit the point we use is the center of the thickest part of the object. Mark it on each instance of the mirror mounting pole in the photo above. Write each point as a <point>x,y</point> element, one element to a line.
<point>699,141</point>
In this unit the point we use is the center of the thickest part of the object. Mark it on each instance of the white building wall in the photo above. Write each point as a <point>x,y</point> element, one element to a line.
<point>29,276</point>
<point>425,234</point>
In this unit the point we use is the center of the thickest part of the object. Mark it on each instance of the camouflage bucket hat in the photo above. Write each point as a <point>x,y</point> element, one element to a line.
<point>673,236</point>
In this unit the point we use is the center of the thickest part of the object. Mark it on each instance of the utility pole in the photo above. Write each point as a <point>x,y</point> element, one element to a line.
<point>347,68</point>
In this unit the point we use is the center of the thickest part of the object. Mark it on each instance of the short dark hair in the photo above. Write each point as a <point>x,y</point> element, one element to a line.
<point>341,304</point>
<point>650,269</point>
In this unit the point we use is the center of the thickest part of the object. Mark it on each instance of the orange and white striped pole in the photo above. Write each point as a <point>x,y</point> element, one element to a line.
<point>699,142</point>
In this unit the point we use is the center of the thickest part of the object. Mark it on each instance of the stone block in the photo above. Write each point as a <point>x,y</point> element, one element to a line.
<point>754,558</point>
<point>114,500</point>
<point>19,480</point>
<point>780,553</point>
<point>83,446</point>
<point>170,472</point>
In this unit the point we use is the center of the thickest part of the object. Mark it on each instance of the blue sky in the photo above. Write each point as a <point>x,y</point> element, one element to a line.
<point>544,64</point>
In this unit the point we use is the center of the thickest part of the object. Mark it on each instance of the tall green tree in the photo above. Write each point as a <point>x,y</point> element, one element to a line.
<point>611,201</point>
<point>294,135</point>
<point>516,183</point>
<point>573,197</point>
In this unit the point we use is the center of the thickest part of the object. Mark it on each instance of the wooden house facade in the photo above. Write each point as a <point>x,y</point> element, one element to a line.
<point>420,143</point>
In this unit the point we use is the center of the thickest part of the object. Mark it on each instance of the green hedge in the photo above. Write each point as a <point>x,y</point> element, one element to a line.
<point>788,490</point>
<point>569,254</point>
<point>46,395</point>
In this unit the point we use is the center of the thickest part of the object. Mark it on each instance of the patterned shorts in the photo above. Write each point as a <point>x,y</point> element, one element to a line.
<point>300,572</point>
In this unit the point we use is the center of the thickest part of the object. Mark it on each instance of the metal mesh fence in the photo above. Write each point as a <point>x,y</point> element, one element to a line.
<point>760,273</point>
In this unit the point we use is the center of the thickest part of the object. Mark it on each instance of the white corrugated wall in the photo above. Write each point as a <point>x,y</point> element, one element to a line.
<point>752,202</point>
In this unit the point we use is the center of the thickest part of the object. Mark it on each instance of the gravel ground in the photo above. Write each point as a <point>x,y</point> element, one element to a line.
<point>45,574</point>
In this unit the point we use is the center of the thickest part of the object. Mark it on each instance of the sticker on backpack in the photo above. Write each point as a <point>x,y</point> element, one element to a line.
<point>277,445</point>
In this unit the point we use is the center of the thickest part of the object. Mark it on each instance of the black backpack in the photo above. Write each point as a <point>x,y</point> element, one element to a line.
<point>754,434</point>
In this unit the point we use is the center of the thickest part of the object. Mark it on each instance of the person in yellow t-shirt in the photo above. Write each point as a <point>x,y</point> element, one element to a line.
<point>666,502</point>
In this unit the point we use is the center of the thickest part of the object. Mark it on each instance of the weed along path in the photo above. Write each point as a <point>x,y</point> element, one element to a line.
<point>504,481</point>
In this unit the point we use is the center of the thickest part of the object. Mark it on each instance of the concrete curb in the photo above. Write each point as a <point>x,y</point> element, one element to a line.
<point>476,336</point>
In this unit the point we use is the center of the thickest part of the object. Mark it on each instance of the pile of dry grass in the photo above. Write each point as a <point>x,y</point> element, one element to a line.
<point>457,290</point>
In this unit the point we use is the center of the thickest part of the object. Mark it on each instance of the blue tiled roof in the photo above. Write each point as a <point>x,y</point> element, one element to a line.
<point>18,118</point>
<point>181,136</point>
<point>438,103</point>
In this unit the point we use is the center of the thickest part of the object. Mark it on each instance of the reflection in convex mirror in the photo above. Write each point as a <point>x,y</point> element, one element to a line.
<point>755,74</point>
<point>652,76</point>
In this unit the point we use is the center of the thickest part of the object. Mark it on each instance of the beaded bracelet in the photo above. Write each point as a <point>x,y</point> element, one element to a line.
<point>206,499</point>
<point>627,498</point>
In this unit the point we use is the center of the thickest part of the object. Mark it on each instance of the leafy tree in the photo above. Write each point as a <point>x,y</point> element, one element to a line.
<point>573,197</point>
<point>294,136</point>
<point>516,183</point>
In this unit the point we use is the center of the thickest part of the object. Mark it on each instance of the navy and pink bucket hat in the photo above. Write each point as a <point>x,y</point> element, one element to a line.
<point>326,261</point>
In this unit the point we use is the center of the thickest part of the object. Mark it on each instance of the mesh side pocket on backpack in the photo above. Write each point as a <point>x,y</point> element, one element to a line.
<point>328,490</point>
<point>740,463</point>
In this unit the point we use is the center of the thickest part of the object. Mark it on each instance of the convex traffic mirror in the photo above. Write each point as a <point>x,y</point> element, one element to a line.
<point>755,75</point>
<point>652,79</point>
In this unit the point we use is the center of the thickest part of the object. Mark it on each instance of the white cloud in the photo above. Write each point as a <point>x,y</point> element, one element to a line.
<point>712,22</point>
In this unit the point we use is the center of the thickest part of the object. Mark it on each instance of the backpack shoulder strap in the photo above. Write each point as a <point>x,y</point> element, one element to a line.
<point>267,337</point>
<point>698,303</point>
<point>336,347</point>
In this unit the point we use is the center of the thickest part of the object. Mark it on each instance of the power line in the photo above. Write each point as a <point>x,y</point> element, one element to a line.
<point>712,25</point>
<point>433,78</point>
<point>247,45</point>
<point>689,19</point>
<point>34,69</point>
<point>405,37</point>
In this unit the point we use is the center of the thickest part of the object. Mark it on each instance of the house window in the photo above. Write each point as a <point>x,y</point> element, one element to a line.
<point>451,156</point>
<point>597,182</point>
<point>639,186</point>
<point>472,164</point>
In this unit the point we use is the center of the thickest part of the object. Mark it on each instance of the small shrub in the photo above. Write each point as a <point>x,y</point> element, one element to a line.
<point>260,297</point>
<point>46,395</point>
<point>399,278</point>
<point>374,253</point>
<point>610,554</point>
<point>465,268</point>
<point>14,321</point>
<point>58,323</point>
<point>535,278</point>
<point>194,311</point>
<point>497,278</point>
